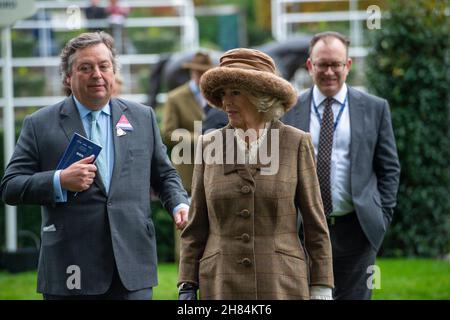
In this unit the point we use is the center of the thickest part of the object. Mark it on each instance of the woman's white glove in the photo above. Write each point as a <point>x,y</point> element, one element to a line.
<point>320,293</point>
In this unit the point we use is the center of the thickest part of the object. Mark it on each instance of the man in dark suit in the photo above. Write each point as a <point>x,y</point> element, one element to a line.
<point>98,238</point>
<point>357,162</point>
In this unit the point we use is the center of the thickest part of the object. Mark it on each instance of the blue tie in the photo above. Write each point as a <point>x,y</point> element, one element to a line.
<point>97,137</point>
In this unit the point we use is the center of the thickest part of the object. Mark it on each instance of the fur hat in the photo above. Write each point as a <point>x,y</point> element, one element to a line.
<point>200,62</point>
<point>247,69</point>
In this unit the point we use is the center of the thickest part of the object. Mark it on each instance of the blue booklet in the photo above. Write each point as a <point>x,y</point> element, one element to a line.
<point>78,148</point>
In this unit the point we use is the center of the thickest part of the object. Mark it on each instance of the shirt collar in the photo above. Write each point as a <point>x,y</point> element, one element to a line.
<point>197,94</point>
<point>194,88</point>
<point>84,111</point>
<point>319,97</point>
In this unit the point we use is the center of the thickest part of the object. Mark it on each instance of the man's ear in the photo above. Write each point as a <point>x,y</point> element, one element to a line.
<point>349,63</point>
<point>309,65</point>
<point>67,81</point>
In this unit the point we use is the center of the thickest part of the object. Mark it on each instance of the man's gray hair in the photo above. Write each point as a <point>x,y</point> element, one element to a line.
<point>82,41</point>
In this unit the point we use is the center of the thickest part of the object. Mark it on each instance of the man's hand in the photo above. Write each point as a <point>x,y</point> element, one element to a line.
<point>78,176</point>
<point>181,218</point>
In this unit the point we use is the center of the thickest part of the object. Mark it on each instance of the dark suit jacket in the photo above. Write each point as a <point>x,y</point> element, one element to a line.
<point>375,168</point>
<point>214,119</point>
<point>94,230</point>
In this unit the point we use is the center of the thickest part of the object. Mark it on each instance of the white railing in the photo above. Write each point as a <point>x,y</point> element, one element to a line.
<point>184,20</point>
<point>283,21</point>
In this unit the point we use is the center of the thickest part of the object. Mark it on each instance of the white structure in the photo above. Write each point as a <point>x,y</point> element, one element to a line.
<point>10,11</point>
<point>283,21</point>
<point>67,16</point>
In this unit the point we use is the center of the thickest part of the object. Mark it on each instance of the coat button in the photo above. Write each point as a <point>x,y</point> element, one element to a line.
<point>245,237</point>
<point>244,213</point>
<point>246,262</point>
<point>245,189</point>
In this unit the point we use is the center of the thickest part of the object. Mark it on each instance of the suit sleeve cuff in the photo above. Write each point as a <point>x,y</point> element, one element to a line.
<point>59,195</point>
<point>180,206</point>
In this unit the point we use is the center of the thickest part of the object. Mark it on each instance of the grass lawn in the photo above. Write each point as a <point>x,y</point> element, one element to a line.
<point>401,279</point>
<point>418,279</point>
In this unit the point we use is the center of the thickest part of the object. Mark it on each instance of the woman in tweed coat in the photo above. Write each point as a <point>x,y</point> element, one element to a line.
<point>242,240</point>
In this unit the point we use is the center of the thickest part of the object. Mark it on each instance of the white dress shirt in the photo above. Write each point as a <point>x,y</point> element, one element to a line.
<point>201,101</point>
<point>340,156</point>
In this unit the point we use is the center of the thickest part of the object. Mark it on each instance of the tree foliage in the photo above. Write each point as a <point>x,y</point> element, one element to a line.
<point>409,66</point>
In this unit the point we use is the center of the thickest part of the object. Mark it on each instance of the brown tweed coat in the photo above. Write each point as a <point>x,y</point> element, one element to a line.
<point>241,241</point>
<point>180,111</point>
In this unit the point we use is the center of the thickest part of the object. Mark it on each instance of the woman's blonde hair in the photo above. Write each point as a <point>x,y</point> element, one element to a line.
<point>271,107</point>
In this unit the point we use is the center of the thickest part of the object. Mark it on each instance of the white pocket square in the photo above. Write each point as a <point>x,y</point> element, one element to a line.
<point>49,228</point>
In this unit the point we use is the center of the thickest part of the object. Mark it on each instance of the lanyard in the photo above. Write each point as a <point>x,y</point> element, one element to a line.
<point>338,116</point>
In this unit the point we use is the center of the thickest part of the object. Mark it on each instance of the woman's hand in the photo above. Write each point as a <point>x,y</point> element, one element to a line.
<point>187,291</point>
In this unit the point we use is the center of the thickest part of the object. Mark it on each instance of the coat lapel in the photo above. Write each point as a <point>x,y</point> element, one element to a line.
<point>267,144</point>
<point>356,110</point>
<point>70,119</point>
<point>230,149</point>
<point>121,143</point>
<point>303,111</point>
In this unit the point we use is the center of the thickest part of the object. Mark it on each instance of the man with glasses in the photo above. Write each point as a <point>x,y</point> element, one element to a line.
<point>357,162</point>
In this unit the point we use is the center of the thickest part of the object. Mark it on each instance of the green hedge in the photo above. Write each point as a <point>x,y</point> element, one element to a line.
<point>409,66</point>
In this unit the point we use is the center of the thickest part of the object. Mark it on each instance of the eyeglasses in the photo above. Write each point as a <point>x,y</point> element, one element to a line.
<point>335,66</point>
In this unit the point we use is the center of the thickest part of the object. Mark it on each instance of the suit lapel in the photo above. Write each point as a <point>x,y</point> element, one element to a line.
<point>356,111</point>
<point>303,111</point>
<point>121,143</point>
<point>70,119</point>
